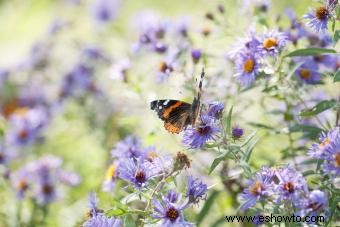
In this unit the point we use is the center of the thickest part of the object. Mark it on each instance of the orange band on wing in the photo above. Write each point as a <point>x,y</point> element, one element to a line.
<point>170,108</point>
<point>172,128</point>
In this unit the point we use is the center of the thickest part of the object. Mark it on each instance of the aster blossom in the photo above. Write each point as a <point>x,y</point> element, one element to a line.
<point>195,189</point>
<point>197,137</point>
<point>130,147</point>
<point>308,72</point>
<point>318,18</point>
<point>96,217</point>
<point>169,211</point>
<point>271,43</point>
<point>291,184</point>
<point>326,139</point>
<point>332,158</point>
<point>110,177</point>
<point>315,204</point>
<point>215,109</point>
<point>259,188</point>
<point>137,172</point>
<point>247,67</point>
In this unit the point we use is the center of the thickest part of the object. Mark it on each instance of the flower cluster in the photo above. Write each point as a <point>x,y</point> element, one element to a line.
<point>41,180</point>
<point>285,188</point>
<point>250,52</point>
<point>328,150</point>
<point>146,169</point>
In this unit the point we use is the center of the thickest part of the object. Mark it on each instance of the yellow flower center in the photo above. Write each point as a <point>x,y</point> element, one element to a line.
<point>269,43</point>
<point>256,188</point>
<point>111,172</point>
<point>22,185</point>
<point>325,142</point>
<point>248,66</point>
<point>305,73</point>
<point>13,107</point>
<point>152,156</point>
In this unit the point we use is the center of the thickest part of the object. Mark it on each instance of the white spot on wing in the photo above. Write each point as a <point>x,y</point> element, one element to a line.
<point>166,102</point>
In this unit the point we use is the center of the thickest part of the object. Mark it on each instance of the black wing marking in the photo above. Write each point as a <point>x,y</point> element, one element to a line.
<point>196,104</point>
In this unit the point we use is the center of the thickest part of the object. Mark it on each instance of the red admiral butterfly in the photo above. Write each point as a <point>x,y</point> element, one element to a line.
<point>177,115</point>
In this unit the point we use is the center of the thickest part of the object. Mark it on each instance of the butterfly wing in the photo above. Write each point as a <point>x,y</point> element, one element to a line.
<point>196,104</point>
<point>174,113</point>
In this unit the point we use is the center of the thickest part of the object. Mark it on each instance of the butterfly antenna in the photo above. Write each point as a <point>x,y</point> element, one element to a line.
<point>200,83</point>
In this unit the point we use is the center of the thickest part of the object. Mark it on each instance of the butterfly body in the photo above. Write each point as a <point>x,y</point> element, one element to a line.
<point>176,114</point>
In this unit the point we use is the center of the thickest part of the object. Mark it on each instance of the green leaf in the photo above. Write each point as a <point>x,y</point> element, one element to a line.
<point>116,212</point>
<point>318,108</point>
<point>249,150</point>
<point>260,125</point>
<point>310,52</point>
<point>251,136</point>
<point>270,88</point>
<point>217,161</point>
<point>228,129</point>
<point>336,36</point>
<point>308,131</point>
<point>206,207</point>
<point>337,76</point>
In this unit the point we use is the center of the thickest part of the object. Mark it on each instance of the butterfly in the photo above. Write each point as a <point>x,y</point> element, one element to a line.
<point>176,114</point>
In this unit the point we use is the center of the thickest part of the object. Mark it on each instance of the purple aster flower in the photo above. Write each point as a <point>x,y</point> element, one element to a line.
<point>308,72</point>
<point>110,178</point>
<point>196,55</point>
<point>198,136</point>
<point>46,187</point>
<point>291,184</point>
<point>26,128</point>
<point>93,205</point>
<point>137,172</point>
<point>103,221</point>
<point>106,10</point>
<point>332,158</point>
<point>237,132</point>
<point>247,68</point>
<point>119,70</point>
<point>170,212</point>
<point>167,66</point>
<point>130,147</point>
<point>272,42</point>
<point>248,44</point>
<point>327,62</point>
<point>68,178</point>
<point>259,188</point>
<point>315,204</point>
<point>159,47</point>
<point>296,30</point>
<point>21,181</point>
<point>318,18</point>
<point>195,189</point>
<point>159,164</point>
<point>326,140</point>
<point>215,109</point>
